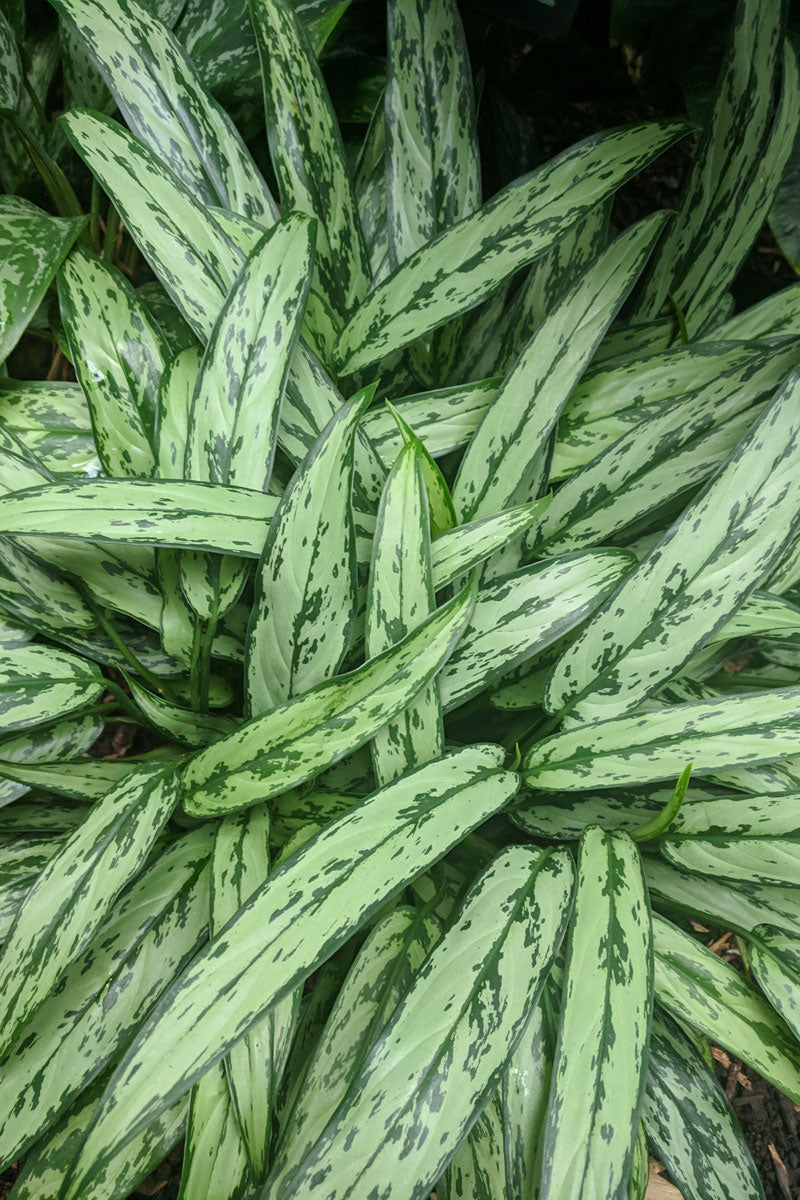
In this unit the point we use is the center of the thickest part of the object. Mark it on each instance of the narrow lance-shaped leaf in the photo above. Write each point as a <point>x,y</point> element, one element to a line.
<point>711,734</point>
<point>674,448</point>
<point>601,1057</point>
<point>432,168</point>
<point>143,512</point>
<point>172,426</point>
<point>518,615</point>
<point>254,1066</point>
<point>306,593</point>
<point>236,406</point>
<point>774,861</point>
<point>71,897</point>
<point>237,397</point>
<point>440,503</point>
<point>696,252</point>
<point>288,927</point>
<point>309,160</point>
<point>775,962</point>
<point>690,1124</point>
<point>477,1169</point>
<point>11,65</point>
<point>299,739</point>
<point>53,420</point>
<point>400,595</point>
<point>612,399</point>
<point>695,578</point>
<point>697,986</point>
<point>433,175</point>
<point>444,419</point>
<point>741,906</point>
<point>32,247</point>
<point>86,779</point>
<point>382,974</point>
<point>459,549</point>
<point>48,1165</point>
<point>469,260</point>
<point>525,1092</point>
<point>39,683</point>
<point>214,1162</point>
<point>119,356</point>
<point>149,936</point>
<point>506,460</point>
<point>459,1022</point>
<point>162,100</point>
<point>194,258</point>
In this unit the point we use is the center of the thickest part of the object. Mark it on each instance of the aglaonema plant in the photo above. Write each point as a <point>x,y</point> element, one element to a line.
<point>420,532</point>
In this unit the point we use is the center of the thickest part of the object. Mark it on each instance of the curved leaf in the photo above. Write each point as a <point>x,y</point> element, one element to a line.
<point>299,739</point>
<point>287,928</point>
<point>601,1056</point>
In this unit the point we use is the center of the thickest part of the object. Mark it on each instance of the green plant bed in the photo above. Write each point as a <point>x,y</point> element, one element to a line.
<point>442,549</point>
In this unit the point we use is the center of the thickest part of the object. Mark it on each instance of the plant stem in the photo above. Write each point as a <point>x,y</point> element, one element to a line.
<point>94,217</point>
<point>204,631</point>
<point>109,628</point>
<point>113,222</point>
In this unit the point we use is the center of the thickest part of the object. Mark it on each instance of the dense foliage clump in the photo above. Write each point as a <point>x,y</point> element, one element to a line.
<point>442,551</point>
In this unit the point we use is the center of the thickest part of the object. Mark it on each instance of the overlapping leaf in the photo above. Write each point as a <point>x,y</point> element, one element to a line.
<point>359,861</point>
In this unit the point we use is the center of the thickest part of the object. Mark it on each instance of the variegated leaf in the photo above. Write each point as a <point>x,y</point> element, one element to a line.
<point>194,258</point>
<point>469,260</point>
<point>309,160</point>
<point>698,987</point>
<point>506,460</point>
<point>775,962</point>
<point>518,615</point>
<point>104,995</point>
<point>304,736</point>
<point>119,356</point>
<point>164,103</point>
<point>32,247</point>
<point>143,512</point>
<point>288,927</point>
<point>657,744</point>
<point>601,1056</point>
<point>215,1159</point>
<point>306,592</point>
<point>380,977</point>
<point>516,909</point>
<point>690,1124</point>
<point>254,1066</point>
<point>67,904</point>
<point>695,578</point>
<point>400,596</point>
